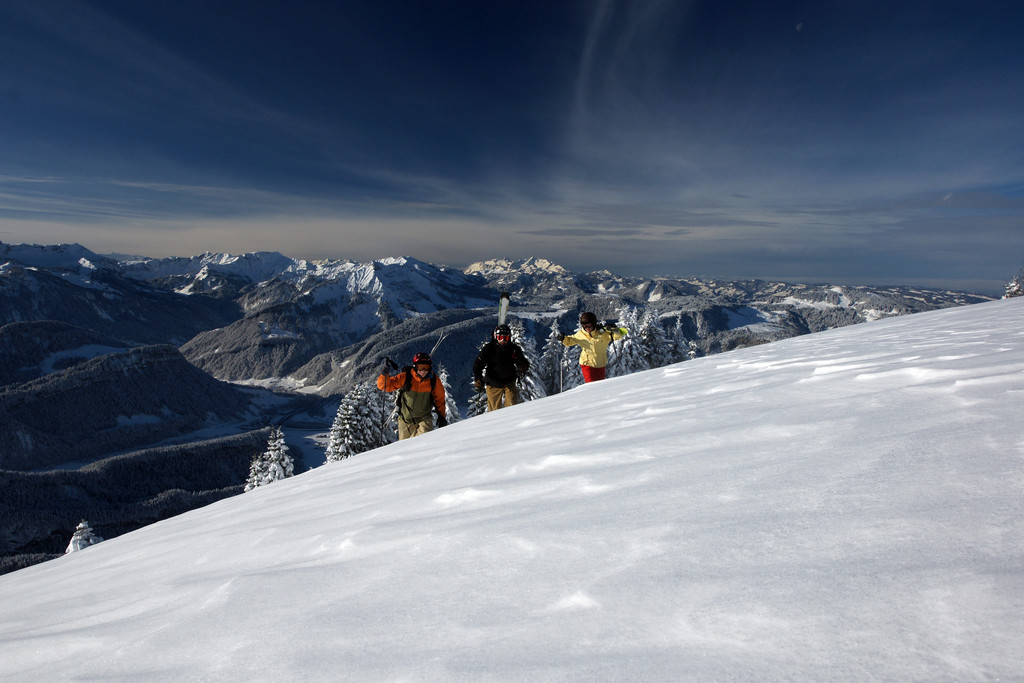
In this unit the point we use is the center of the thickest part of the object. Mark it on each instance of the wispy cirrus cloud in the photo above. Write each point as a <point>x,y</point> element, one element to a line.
<point>755,139</point>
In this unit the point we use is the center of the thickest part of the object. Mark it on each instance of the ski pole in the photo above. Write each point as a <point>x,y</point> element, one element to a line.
<point>384,421</point>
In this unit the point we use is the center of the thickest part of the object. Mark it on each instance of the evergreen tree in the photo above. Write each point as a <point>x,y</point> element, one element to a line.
<point>477,404</point>
<point>353,428</point>
<point>451,409</point>
<point>478,399</point>
<point>383,416</point>
<point>654,340</point>
<point>680,348</point>
<point>572,376</point>
<point>1015,287</point>
<point>550,369</point>
<point>676,342</point>
<point>628,355</point>
<point>531,386</point>
<point>335,438</point>
<point>82,538</point>
<point>271,465</point>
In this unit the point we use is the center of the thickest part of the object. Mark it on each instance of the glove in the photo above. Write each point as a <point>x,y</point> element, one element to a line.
<point>561,338</point>
<point>478,384</point>
<point>442,421</point>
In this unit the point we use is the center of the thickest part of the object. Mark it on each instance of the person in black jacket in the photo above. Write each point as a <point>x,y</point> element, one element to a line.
<point>499,365</point>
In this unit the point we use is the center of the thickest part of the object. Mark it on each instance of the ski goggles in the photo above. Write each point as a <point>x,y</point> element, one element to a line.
<point>502,337</point>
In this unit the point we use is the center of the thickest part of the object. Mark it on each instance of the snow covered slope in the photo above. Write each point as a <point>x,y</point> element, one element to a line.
<point>843,505</point>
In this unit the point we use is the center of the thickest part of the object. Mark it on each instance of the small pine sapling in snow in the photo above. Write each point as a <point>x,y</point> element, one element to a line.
<point>450,407</point>
<point>82,538</point>
<point>271,465</point>
<point>1015,287</point>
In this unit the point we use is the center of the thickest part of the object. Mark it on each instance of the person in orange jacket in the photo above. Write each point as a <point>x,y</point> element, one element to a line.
<point>419,392</point>
<point>593,342</point>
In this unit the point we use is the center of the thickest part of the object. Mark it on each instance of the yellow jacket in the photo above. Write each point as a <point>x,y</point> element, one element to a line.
<point>594,347</point>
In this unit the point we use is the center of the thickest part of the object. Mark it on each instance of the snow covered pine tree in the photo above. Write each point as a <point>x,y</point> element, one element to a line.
<point>550,363</point>
<point>1015,287</point>
<point>531,387</point>
<point>82,538</point>
<point>271,465</point>
<point>355,426</point>
<point>451,409</point>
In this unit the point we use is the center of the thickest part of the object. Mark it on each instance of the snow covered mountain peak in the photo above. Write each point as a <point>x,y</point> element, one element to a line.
<point>57,256</point>
<point>252,267</point>
<point>530,266</point>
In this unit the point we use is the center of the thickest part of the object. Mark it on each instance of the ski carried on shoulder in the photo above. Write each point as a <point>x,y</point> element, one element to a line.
<point>440,338</point>
<point>503,307</point>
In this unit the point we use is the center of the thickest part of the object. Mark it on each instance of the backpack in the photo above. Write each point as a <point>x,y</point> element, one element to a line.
<point>408,385</point>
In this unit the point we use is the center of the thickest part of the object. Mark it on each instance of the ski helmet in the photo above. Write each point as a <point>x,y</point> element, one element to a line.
<point>422,359</point>
<point>502,331</point>
<point>588,318</point>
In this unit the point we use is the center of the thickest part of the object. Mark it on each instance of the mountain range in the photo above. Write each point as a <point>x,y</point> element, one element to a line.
<point>111,355</point>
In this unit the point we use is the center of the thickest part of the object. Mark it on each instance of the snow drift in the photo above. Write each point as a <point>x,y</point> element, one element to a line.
<point>843,505</point>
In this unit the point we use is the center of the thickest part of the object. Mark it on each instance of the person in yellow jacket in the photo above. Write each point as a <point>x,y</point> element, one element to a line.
<point>419,392</point>
<point>593,342</point>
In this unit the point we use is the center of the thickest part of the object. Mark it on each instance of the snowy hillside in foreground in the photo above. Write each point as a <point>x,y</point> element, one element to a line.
<point>844,505</point>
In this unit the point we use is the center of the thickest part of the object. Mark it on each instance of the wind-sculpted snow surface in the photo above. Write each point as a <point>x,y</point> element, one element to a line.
<point>837,506</point>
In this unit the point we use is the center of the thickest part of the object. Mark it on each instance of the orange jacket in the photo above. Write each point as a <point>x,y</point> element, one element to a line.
<point>419,399</point>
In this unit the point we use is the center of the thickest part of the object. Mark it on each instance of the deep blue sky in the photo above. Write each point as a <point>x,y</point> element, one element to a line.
<point>841,141</point>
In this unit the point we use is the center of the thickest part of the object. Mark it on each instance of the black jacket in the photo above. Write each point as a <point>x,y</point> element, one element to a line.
<point>499,365</point>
